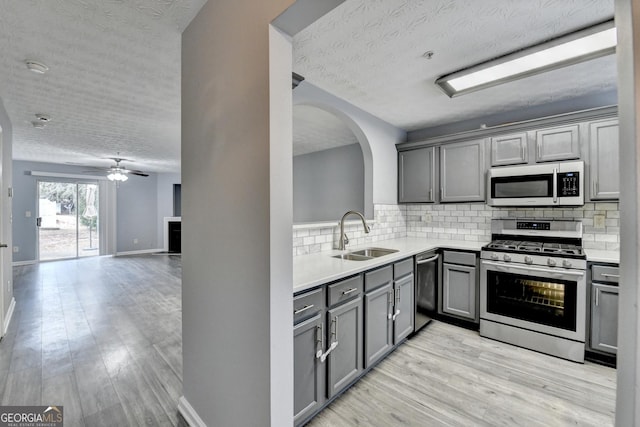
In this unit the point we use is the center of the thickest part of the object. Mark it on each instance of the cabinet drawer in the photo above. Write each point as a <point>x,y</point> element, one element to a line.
<point>601,273</point>
<point>344,290</point>
<point>376,278</point>
<point>461,258</point>
<point>402,268</point>
<point>307,305</point>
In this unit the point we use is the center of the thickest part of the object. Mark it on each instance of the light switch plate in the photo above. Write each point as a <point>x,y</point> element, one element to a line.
<point>598,221</point>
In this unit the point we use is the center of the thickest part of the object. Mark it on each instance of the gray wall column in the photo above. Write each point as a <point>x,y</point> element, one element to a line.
<point>627,17</point>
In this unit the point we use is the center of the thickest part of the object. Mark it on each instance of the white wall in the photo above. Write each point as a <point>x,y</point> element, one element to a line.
<point>6,272</point>
<point>237,279</point>
<point>380,156</point>
<point>328,183</point>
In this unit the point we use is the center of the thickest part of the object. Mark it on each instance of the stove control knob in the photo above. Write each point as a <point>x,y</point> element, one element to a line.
<point>566,264</point>
<point>551,262</point>
<point>495,257</point>
<point>528,260</point>
<point>506,257</point>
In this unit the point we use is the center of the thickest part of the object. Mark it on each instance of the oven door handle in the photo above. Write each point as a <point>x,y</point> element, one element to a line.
<point>509,268</point>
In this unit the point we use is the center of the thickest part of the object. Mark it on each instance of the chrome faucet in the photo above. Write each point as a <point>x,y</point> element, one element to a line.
<point>343,237</point>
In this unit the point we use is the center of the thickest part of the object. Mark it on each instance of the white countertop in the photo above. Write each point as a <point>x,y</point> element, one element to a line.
<point>315,269</point>
<point>595,255</point>
<point>319,268</point>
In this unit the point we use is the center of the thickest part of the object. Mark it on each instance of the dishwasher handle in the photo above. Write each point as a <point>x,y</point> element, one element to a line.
<point>425,261</point>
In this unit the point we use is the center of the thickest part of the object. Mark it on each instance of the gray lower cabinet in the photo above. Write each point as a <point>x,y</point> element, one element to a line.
<point>378,339</point>
<point>604,318</point>
<point>604,159</point>
<point>345,328</point>
<point>462,170</point>
<point>509,149</point>
<point>603,335</point>
<point>416,175</point>
<point>558,143</point>
<point>459,293</point>
<point>308,371</point>
<point>403,320</point>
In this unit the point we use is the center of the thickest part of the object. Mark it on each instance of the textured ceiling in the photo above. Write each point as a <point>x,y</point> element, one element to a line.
<point>114,79</point>
<point>370,53</point>
<point>316,130</point>
<point>113,83</point>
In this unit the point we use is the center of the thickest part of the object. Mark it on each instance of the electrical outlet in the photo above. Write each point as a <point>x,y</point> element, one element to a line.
<point>27,214</point>
<point>598,221</point>
<point>427,218</point>
<point>16,249</point>
<point>135,241</point>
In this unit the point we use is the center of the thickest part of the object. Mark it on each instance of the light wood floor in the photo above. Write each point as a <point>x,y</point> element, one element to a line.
<point>102,336</point>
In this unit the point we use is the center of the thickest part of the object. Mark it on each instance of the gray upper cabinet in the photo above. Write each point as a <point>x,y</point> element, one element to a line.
<point>462,169</point>
<point>604,160</point>
<point>558,143</point>
<point>345,328</point>
<point>416,175</point>
<point>308,370</point>
<point>604,318</point>
<point>509,149</point>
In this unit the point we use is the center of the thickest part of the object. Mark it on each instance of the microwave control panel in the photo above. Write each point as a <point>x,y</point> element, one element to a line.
<point>568,184</point>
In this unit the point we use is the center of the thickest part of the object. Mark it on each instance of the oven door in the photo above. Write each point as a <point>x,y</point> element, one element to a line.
<point>547,300</point>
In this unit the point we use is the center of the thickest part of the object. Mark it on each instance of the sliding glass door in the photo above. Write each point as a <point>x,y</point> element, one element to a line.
<point>67,220</point>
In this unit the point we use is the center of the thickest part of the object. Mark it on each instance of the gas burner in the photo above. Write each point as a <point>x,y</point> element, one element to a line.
<point>504,244</point>
<point>530,247</point>
<point>562,249</point>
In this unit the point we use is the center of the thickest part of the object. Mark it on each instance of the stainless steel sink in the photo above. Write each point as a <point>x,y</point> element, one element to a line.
<point>374,252</point>
<point>352,257</point>
<point>365,254</point>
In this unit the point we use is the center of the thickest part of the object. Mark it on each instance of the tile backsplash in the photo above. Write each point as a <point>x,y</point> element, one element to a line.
<point>461,221</point>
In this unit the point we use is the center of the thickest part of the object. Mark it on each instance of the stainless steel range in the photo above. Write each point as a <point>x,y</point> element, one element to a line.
<point>533,286</point>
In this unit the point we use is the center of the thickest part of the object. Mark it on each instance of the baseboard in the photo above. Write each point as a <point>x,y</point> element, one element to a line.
<point>189,414</point>
<point>140,252</point>
<point>9,316</point>
<point>19,263</point>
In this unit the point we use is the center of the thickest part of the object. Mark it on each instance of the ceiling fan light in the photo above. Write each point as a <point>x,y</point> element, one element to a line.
<point>117,176</point>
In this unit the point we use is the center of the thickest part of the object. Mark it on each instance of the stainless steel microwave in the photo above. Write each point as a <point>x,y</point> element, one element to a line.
<point>548,184</point>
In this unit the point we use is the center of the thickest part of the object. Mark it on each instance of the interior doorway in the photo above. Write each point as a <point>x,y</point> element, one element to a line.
<point>68,220</point>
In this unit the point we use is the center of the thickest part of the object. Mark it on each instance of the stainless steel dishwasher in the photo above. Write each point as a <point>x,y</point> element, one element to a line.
<point>427,274</point>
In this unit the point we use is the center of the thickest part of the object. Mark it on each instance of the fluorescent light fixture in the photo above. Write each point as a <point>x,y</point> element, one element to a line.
<point>583,45</point>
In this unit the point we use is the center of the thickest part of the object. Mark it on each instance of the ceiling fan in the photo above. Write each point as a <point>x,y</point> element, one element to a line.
<point>119,173</point>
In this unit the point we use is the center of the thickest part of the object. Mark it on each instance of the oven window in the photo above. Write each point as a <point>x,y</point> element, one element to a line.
<point>522,186</point>
<point>541,300</point>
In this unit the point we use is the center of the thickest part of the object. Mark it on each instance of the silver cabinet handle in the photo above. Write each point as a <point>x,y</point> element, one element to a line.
<point>397,313</point>
<point>597,187</point>
<point>441,193</point>
<point>4,245</point>
<point>333,345</point>
<point>424,261</point>
<point>615,276</point>
<point>597,295</point>
<point>431,194</point>
<point>320,334</point>
<point>348,291</point>
<point>389,306</point>
<point>303,309</point>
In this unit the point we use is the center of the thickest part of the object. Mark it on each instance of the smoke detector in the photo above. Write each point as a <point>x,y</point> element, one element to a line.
<point>43,118</point>
<point>36,67</point>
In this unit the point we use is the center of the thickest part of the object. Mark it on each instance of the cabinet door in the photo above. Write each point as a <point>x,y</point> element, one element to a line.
<point>560,143</point>
<point>509,149</point>
<point>416,175</point>
<point>605,160</point>
<point>378,326</point>
<point>462,168</point>
<point>604,318</point>
<point>459,291</point>
<point>344,365</point>
<point>308,372</point>
<point>404,309</point>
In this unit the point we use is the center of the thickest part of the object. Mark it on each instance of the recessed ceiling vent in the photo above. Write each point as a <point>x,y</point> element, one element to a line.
<point>296,80</point>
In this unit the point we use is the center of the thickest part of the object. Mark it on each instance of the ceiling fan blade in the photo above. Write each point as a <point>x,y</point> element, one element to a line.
<point>134,172</point>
